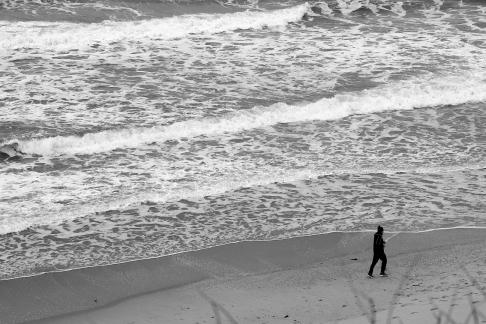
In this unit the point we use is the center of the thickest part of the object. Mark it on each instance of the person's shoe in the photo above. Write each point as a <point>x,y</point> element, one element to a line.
<point>370,276</point>
<point>383,274</point>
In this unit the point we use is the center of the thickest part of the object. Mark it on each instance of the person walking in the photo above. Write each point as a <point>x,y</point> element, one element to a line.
<point>378,253</point>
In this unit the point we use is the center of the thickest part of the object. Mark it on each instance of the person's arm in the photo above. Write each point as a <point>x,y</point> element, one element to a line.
<point>376,242</point>
<point>379,244</point>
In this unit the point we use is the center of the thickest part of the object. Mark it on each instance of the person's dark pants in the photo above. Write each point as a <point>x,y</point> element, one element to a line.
<point>378,256</point>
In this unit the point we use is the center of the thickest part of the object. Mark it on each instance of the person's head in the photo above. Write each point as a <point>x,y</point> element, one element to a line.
<point>380,229</point>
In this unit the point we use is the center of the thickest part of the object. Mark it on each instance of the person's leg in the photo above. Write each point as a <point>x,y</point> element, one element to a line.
<point>373,263</point>
<point>383,263</point>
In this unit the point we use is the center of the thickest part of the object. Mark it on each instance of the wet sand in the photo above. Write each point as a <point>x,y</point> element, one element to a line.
<point>314,279</point>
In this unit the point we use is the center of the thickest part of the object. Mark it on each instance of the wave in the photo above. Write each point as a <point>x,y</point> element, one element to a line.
<point>410,94</point>
<point>51,215</point>
<point>67,36</point>
<point>142,8</point>
<point>96,11</point>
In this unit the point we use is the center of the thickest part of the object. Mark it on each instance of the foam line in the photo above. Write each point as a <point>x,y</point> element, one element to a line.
<point>278,239</point>
<point>397,96</point>
<point>66,36</point>
<point>56,215</point>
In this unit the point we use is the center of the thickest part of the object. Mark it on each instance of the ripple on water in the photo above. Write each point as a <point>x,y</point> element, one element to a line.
<point>412,200</point>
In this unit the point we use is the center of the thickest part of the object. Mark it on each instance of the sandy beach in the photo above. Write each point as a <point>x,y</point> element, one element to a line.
<point>314,279</point>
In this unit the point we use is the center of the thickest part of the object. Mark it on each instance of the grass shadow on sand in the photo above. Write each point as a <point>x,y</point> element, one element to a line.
<point>367,305</point>
<point>475,316</point>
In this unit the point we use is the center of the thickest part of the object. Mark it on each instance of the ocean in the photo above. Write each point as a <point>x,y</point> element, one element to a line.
<point>153,127</point>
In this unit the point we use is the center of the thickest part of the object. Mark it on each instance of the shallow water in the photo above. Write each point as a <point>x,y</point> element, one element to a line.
<point>151,128</point>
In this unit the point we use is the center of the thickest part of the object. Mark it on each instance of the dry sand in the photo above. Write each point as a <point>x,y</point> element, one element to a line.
<point>315,279</point>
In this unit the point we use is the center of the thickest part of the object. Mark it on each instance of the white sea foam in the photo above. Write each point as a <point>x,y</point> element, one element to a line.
<point>66,36</point>
<point>348,6</point>
<point>403,95</point>
<point>49,213</point>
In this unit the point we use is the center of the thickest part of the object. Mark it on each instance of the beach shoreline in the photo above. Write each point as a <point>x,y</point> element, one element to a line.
<point>334,259</point>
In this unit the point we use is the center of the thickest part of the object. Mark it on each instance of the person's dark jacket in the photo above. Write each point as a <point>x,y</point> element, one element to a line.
<point>378,243</point>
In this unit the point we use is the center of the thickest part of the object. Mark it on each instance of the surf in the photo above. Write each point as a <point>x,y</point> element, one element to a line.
<point>400,95</point>
<point>62,36</point>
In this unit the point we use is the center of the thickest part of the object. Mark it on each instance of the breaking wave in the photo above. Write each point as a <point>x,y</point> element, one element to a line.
<point>67,36</point>
<point>410,94</point>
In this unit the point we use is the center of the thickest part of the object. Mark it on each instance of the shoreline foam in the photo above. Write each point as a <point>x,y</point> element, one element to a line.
<point>61,293</point>
<point>393,234</point>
